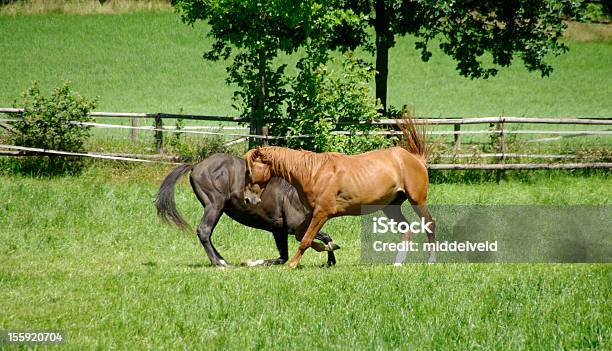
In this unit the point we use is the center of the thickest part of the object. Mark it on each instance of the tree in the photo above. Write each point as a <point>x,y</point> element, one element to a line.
<point>259,30</point>
<point>467,30</point>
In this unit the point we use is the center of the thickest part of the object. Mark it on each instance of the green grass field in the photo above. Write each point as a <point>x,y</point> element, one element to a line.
<point>87,255</point>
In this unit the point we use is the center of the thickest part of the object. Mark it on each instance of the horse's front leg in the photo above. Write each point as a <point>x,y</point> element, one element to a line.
<point>280,238</point>
<point>316,223</point>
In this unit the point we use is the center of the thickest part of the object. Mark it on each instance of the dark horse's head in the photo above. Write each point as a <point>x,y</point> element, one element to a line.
<point>257,176</point>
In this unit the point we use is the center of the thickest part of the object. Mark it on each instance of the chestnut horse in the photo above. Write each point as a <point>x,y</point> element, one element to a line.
<point>333,184</point>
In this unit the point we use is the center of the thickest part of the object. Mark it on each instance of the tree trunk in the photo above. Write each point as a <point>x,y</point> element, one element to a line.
<point>384,39</point>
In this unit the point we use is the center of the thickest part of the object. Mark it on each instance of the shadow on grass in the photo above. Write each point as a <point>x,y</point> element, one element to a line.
<point>199,265</point>
<point>153,264</point>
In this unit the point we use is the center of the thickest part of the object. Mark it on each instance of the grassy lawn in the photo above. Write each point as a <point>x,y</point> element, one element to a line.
<point>87,255</point>
<point>161,69</point>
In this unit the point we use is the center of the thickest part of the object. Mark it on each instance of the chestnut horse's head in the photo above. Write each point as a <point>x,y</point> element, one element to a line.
<point>257,176</point>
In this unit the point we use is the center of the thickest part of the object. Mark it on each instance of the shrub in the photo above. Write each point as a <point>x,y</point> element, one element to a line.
<point>190,150</point>
<point>52,123</point>
<point>592,12</point>
<point>212,145</point>
<point>324,100</point>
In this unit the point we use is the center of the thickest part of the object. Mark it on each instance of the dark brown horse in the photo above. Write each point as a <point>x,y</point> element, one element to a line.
<point>334,184</point>
<point>218,182</point>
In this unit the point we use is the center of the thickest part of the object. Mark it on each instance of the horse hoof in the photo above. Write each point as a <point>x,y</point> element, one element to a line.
<point>292,265</point>
<point>252,263</point>
<point>332,246</point>
<point>398,264</point>
<point>223,264</point>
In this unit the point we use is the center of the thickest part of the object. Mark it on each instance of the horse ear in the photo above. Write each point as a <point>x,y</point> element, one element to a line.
<point>264,158</point>
<point>258,154</point>
<point>253,154</point>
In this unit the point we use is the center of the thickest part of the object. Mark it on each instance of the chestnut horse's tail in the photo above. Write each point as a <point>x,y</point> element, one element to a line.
<point>414,135</point>
<point>166,207</point>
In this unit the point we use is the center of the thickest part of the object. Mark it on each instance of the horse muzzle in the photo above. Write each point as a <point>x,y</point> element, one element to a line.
<point>251,199</point>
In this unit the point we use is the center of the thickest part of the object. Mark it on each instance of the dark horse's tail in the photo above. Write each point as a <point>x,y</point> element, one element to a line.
<point>166,207</point>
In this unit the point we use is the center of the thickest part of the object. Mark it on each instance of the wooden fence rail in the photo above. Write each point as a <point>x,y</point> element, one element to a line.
<point>502,119</point>
<point>498,123</point>
<point>158,115</point>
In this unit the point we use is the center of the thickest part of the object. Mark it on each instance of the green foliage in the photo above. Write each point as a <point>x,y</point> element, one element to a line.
<point>209,146</point>
<point>593,12</point>
<point>196,149</point>
<point>467,30</point>
<point>46,122</point>
<point>324,100</point>
<point>470,32</point>
<point>526,29</point>
<point>51,123</point>
<point>245,73</point>
<point>179,124</point>
<point>256,32</point>
<point>260,30</point>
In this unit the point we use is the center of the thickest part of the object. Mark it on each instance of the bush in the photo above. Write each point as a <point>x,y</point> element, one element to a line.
<point>594,12</point>
<point>194,151</point>
<point>48,123</point>
<point>324,100</point>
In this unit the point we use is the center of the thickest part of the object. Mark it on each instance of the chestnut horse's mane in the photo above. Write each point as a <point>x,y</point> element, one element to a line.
<point>414,136</point>
<point>283,161</point>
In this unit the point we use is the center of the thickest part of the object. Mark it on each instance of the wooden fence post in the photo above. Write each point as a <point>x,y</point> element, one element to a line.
<point>457,128</point>
<point>501,174</point>
<point>264,132</point>
<point>134,132</point>
<point>159,134</point>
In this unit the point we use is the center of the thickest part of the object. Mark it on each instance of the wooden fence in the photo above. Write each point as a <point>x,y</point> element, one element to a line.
<point>500,130</point>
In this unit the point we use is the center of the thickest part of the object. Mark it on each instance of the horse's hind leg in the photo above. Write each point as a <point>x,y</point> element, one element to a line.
<point>394,211</point>
<point>205,229</point>
<point>423,212</point>
<point>213,203</point>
